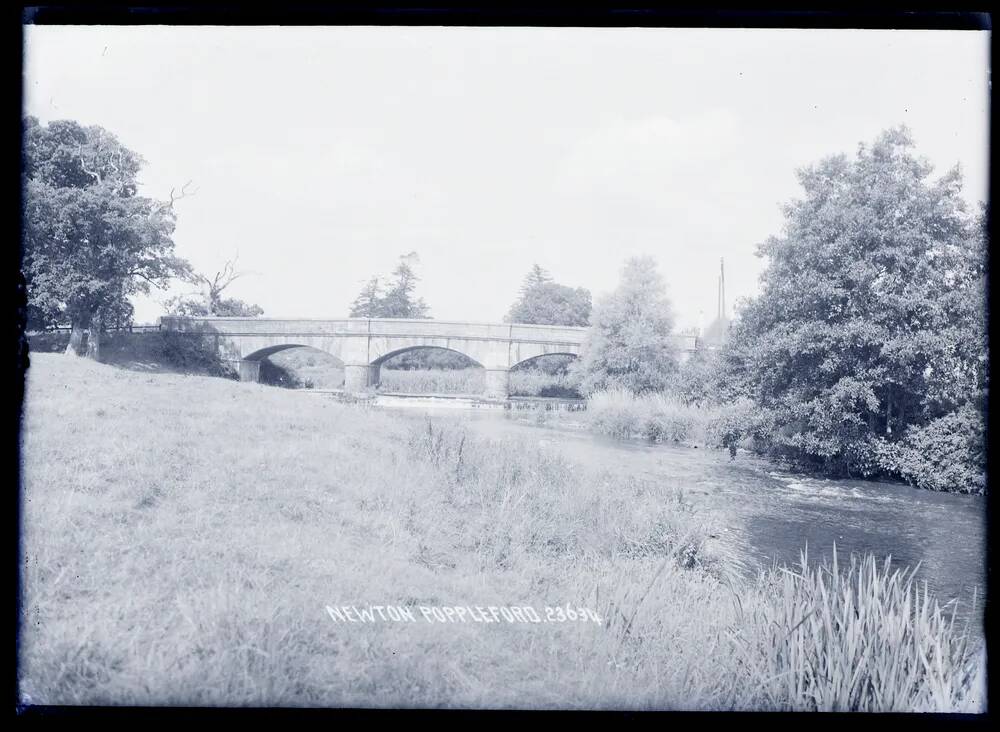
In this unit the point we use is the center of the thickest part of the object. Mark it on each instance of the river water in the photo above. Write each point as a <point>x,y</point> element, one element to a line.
<point>772,515</point>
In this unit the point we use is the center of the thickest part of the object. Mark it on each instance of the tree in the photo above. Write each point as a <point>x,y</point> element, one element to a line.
<point>367,303</point>
<point>535,278</point>
<point>629,344</point>
<point>210,302</point>
<point>398,300</point>
<point>871,315</point>
<point>544,302</point>
<point>90,241</point>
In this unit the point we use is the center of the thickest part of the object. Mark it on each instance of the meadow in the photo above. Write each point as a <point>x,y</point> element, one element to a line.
<point>182,537</point>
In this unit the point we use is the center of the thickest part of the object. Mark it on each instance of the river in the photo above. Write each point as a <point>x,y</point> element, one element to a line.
<point>770,514</point>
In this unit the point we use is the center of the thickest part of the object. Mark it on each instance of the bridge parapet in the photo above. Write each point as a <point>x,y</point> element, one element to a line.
<point>362,344</point>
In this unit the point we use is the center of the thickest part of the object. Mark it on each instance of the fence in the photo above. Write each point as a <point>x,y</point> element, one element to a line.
<point>122,329</point>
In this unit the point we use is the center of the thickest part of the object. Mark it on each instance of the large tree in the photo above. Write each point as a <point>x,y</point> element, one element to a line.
<point>544,302</point>
<point>870,321</point>
<point>90,241</point>
<point>395,301</point>
<point>629,344</point>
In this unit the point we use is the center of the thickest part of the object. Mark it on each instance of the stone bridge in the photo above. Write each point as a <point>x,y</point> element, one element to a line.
<point>364,344</point>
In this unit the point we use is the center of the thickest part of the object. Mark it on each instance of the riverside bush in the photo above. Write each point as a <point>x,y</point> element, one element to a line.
<point>617,412</point>
<point>667,419</point>
<point>189,353</point>
<point>539,383</point>
<point>947,454</point>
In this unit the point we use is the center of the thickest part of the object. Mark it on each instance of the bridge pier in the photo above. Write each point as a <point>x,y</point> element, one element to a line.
<point>497,383</point>
<point>249,370</point>
<point>358,377</point>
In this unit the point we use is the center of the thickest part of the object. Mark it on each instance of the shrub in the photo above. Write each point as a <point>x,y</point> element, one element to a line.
<point>48,341</point>
<point>947,454</point>
<point>538,383</point>
<point>190,353</point>
<point>732,423</point>
<point>616,412</point>
<point>668,419</point>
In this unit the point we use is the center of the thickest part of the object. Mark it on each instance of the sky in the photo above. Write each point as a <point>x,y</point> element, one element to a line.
<point>322,154</point>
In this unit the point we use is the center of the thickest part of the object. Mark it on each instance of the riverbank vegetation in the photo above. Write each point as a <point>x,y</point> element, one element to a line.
<point>865,354</point>
<point>208,524</point>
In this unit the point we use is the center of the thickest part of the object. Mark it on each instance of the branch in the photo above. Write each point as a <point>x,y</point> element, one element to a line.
<point>184,194</point>
<point>83,165</point>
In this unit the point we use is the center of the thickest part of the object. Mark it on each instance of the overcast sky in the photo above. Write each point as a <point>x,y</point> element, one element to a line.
<point>322,154</point>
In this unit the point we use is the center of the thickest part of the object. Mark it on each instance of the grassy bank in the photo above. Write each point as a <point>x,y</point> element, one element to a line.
<point>183,536</point>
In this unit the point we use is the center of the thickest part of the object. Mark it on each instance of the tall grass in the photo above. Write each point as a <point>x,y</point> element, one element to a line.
<point>665,418</point>
<point>433,381</point>
<point>472,381</point>
<point>182,536</point>
<point>538,383</point>
<point>859,638</point>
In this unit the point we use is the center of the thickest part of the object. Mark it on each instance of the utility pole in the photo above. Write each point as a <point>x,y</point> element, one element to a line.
<point>722,288</point>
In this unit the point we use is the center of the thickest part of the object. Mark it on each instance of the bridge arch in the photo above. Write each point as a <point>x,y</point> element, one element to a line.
<point>380,361</point>
<point>262,353</point>
<point>294,371</point>
<point>532,360</point>
<point>442,370</point>
<point>528,378</point>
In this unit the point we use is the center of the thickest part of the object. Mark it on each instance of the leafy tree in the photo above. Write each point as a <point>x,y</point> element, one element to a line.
<point>367,303</point>
<point>695,383</point>
<point>871,317</point>
<point>398,300</point>
<point>90,241</point>
<point>629,344</point>
<point>536,277</point>
<point>544,302</point>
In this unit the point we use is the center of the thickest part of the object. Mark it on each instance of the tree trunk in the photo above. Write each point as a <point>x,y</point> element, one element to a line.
<point>85,338</point>
<point>79,337</point>
<point>888,413</point>
<point>94,342</point>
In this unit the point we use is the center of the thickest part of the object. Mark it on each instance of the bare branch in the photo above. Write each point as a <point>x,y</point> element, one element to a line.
<point>184,194</point>
<point>83,165</point>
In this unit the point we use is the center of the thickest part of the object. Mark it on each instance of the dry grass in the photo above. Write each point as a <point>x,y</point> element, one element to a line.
<point>183,535</point>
